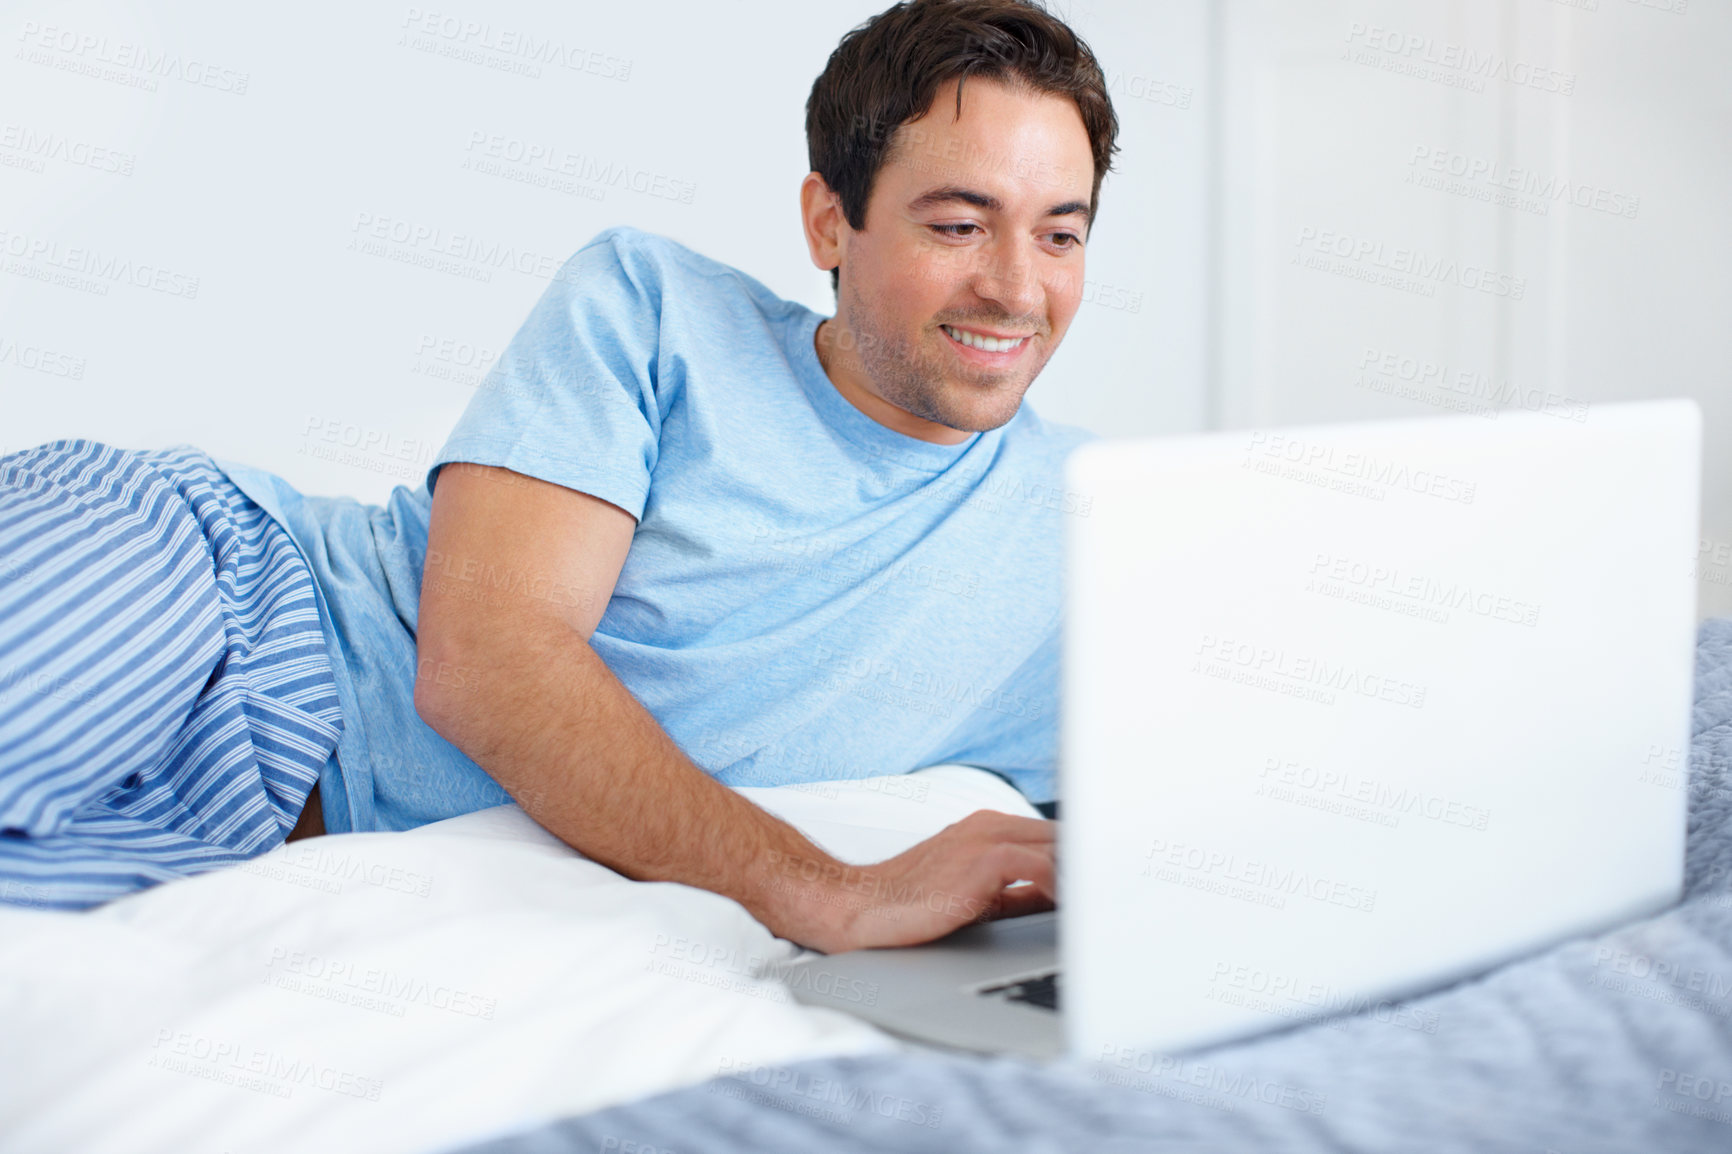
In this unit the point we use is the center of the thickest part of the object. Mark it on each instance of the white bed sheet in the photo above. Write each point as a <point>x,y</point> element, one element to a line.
<point>415,991</point>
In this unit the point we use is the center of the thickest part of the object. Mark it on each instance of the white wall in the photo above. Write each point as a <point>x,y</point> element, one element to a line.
<point>1330,132</point>
<point>260,162</point>
<point>272,140</point>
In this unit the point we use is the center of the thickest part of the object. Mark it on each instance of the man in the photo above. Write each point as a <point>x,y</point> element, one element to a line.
<point>691,535</point>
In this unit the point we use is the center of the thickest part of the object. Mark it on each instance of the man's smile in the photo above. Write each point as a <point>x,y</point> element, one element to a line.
<point>981,348</point>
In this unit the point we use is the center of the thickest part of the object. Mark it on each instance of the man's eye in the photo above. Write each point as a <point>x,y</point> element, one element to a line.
<point>950,229</point>
<point>1072,237</point>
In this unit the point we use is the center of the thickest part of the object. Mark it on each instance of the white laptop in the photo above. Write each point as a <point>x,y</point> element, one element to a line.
<point>1349,712</point>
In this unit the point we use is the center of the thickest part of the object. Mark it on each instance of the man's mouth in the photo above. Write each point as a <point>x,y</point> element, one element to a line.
<point>984,342</point>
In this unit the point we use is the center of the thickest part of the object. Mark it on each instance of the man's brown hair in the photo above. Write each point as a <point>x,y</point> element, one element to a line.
<point>887,72</point>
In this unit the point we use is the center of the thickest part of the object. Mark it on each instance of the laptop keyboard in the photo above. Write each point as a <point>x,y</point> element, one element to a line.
<point>1039,991</point>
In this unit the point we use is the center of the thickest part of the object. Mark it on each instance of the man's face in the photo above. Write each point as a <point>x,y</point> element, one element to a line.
<point>974,229</point>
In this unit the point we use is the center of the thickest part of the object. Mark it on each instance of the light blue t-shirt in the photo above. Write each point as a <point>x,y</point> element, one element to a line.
<point>808,595</point>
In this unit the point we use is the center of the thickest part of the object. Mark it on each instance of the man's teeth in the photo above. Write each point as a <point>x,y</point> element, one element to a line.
<point>986,344</point>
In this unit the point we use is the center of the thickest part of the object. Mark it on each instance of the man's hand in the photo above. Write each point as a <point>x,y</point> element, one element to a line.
<point>961,875</point>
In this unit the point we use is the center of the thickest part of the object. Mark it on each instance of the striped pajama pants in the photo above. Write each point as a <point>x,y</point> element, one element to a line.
<point>166,693</point>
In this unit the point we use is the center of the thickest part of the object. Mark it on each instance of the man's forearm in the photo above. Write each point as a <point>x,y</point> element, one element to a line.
<point>553,725</point>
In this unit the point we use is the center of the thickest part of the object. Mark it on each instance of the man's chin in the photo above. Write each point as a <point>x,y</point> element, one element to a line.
<point>971,419</point>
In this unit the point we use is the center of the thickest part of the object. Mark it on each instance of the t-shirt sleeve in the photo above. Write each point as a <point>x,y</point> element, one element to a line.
<point>1014,731</point>
<point>573,398</point>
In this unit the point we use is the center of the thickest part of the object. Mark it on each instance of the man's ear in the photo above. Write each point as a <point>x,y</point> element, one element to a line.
<point>825,225</point>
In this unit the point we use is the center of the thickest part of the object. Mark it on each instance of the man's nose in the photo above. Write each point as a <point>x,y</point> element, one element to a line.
<point>1006,275</point>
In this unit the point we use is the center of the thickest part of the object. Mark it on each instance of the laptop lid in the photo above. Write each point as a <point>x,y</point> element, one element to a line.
<point>1353,711</point>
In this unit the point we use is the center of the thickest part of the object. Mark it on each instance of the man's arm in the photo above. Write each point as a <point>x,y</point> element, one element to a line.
<point>518,573</point>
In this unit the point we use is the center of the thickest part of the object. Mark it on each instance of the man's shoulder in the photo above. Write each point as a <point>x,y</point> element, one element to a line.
<point>644,246</point>
<point>654,260</point>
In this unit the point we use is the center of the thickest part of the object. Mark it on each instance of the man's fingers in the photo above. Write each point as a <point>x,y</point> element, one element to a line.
<point>963,875</point>
<point>1014,863</point>
<point>1023,900</point>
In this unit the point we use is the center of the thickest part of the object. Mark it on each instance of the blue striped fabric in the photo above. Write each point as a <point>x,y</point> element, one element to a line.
<point>166,692</point>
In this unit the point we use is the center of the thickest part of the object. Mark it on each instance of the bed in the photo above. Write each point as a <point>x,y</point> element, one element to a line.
<point>389,992</point>
<point>476,985</point>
